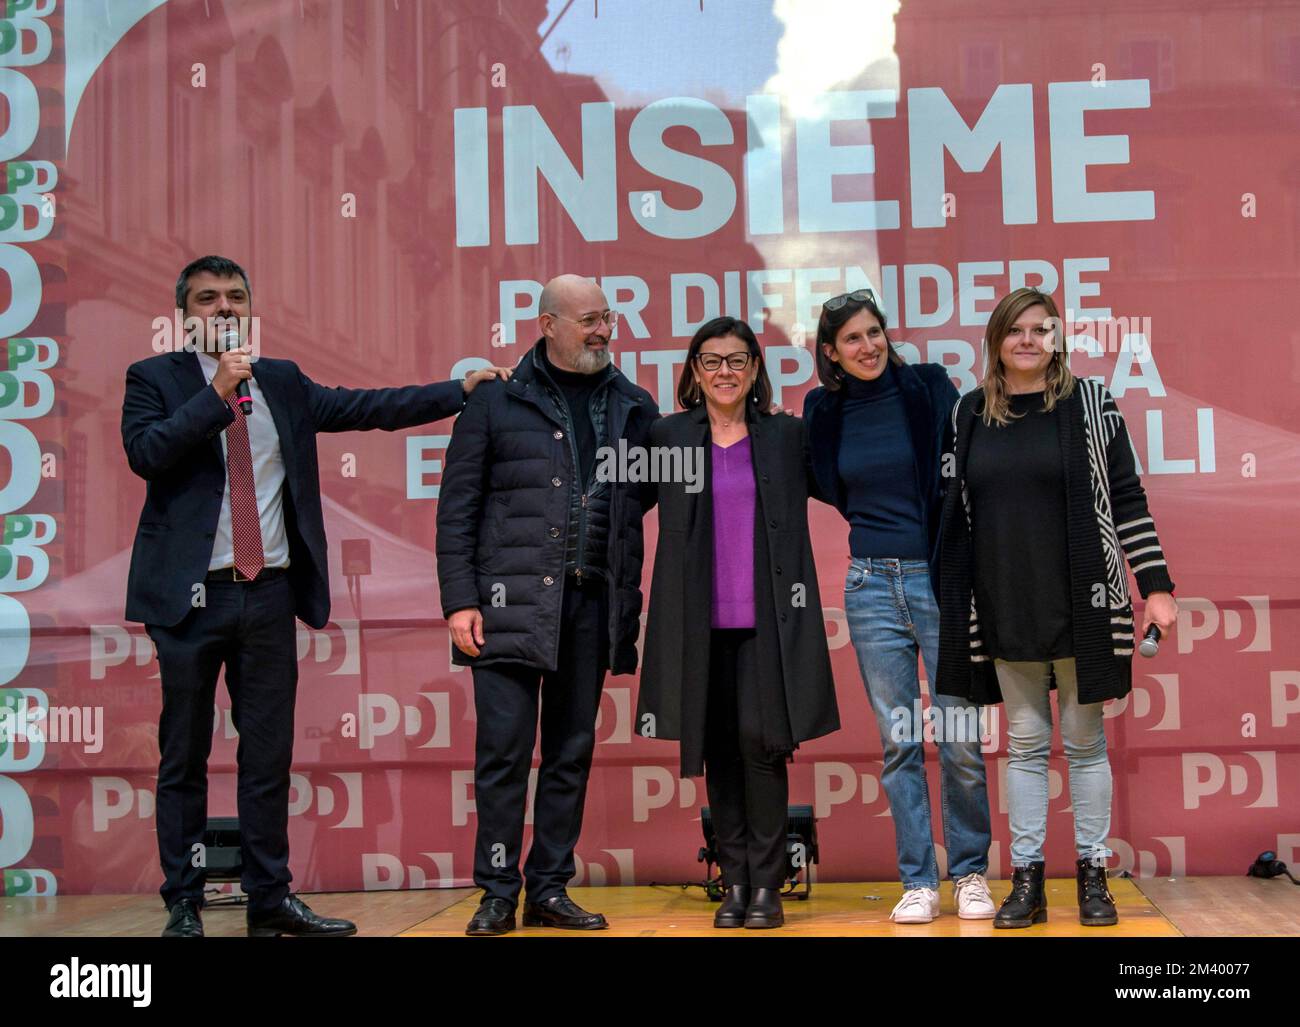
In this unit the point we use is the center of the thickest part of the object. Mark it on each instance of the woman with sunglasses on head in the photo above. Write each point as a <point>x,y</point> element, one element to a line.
<point>879,429</point>
<point>736,665</point>
<point>1035,595</point>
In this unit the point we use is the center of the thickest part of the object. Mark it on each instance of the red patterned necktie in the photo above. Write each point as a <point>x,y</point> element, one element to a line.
<point>245,525</point>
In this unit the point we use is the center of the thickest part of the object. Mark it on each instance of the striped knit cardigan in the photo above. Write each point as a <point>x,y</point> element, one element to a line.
<point>1106,511</point>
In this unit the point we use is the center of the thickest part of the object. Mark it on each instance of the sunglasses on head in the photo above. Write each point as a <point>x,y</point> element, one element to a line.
<point>857,296</point>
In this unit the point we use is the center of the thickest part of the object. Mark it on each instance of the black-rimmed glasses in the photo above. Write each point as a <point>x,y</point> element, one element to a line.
<point>712,361</point>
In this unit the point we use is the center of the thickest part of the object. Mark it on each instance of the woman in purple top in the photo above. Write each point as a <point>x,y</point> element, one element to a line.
<point>735,659</point>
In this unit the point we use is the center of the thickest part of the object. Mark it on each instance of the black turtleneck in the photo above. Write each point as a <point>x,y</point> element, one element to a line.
<point>878,469</point>
<point>576,388</point>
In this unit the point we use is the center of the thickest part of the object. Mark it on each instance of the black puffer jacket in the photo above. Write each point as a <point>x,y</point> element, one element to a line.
<point>504,514</point>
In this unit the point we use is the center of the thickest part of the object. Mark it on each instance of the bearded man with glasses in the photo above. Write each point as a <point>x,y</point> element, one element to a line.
<point>539,565</point>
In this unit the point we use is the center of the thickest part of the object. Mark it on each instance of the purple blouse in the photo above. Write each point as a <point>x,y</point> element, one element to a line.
<point>733,536</point>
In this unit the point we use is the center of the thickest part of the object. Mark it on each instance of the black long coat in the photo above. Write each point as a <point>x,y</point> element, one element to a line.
<point>675,665</point>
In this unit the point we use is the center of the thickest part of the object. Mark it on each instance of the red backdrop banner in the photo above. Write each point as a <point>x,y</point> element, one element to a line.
<point>400,178</point>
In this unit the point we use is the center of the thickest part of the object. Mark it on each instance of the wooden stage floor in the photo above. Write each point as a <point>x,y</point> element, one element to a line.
<point>1194,906</point>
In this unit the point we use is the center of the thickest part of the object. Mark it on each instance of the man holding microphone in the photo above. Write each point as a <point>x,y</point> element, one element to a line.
<point>230,548</point>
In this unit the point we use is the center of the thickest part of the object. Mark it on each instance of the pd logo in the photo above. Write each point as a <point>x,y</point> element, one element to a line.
<point>112,645</point>
<point>382,871</point>
<point>837,627</point>
<point>112,798</point>
<point>23,715</point>
<point>614,717</point>
<point>1288,848</point>
<point>1055,788</point>
<point>28,883</point>
<point>336,801</point>
<point>613,867</point>
<point>17,824</point>
<point>1249,774</point>
<point>223,723</point>
<point>1284,696</point>
<point>1147,863</point>
<point>29,529</point>
<point>837,783</point>
<point>462,801</point>
<point>338,645</point>
<point>655,787</point>
<point>1200,619</point>
<point>22,567</point>
<point>379,715</point>
<point>1156,708</point>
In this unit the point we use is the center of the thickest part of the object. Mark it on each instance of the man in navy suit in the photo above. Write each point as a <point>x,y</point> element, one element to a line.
<point>230,548</point>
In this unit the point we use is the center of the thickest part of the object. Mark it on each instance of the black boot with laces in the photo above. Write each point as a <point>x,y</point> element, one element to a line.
<point>1027,904</point>
<point>1096,904</point>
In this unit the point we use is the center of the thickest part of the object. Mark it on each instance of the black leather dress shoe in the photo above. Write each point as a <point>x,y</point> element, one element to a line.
<point>293,916</point>
<point>765,909</point>
<point>183,920</point>
<point>735,901</point>
<point>494,916</point>
<point>562,911</point>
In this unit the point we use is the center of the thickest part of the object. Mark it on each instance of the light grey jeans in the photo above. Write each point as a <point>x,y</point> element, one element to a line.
<point>1029,741</point>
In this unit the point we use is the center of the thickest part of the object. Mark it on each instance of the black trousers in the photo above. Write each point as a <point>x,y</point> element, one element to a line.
<point>506,703</point>
<point>248,627</point>
<point>748,789</point>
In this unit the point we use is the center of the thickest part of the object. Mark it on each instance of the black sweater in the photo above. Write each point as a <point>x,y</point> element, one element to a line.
<point>1106,512</point>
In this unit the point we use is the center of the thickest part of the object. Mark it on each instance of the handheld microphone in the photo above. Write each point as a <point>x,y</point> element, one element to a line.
<point>1150,644</point>
<point>242,396</point>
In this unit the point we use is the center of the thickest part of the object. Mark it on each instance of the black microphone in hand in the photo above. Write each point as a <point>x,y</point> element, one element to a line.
<point>1150,644</point>
<point>242,396</point>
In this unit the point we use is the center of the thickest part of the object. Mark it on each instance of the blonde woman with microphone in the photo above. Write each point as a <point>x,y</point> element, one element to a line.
<point>1045,508</point>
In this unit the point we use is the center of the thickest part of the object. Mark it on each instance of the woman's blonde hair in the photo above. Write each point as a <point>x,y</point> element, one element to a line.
<point>1059,380</point>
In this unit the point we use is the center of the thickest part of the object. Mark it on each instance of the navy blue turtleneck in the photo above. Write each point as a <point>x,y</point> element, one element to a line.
<point>878,470</point>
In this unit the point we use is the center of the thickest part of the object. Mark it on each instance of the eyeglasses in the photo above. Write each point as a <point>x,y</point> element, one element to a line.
<point>857,296</point>
<point>588,324</point>
<point>737,361</point>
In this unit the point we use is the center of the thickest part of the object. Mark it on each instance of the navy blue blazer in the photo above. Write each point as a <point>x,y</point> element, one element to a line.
<point>928,398</point>
<point>171,420</point>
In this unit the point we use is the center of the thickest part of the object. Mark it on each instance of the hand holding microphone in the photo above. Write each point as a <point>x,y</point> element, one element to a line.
<point>234,370</point>
<point>1161,615</point>
<point>1150,644</point>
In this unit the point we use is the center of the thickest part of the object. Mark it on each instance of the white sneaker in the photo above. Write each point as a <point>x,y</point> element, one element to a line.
<point>917,906</point>
<point>973,899</point>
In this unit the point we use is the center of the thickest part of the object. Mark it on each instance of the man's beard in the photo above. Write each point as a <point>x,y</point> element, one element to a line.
<point>589,361</point>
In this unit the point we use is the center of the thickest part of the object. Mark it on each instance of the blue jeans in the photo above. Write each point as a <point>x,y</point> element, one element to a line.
<point>1029,742</point>
<point>892,617</point>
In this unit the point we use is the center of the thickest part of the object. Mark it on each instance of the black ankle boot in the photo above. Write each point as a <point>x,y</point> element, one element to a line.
<point>735,900</point>
<point>765,908</point>
<point>1096,904</point>
<point>1027,903</point>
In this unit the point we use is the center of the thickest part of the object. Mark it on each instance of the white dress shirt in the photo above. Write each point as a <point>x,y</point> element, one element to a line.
<point>268,480</point>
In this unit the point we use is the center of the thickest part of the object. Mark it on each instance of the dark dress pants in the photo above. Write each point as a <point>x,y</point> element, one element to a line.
<point>248,627</point>
<point>748,789</point>
<point>506,699</point>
